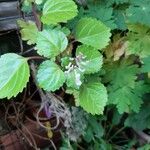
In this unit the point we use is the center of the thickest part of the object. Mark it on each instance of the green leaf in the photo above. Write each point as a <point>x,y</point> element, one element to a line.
<point>93,59</point>
<point>93,97</point>
<point>141,120</point>
<point>55,11</point>
<point>137,43</point>
<point>102,13</point>
<point>123,89</point>
<point>145,147</point>
<point>28,31</point>
<point>120,19</point>
<point>74,79</point>
<point>146,64</point>
<point>51,43</point>
<point>121,74</point>
<point>128,99</point>
<point>50,77</point>
<point>139,12</point>
<point>14,75</point>
<point>92,32</point>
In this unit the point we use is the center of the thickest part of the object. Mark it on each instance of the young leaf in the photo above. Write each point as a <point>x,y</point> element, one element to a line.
<point>28,31</point>
<point>137,43</point>
<point>92,32</point>
<point>74,79</point>
<point>93,97</point>
<point>93,59</point>
<point>51,43</point>
<point>14,75</point>
<point>50,77</point>
<point>56,11</point>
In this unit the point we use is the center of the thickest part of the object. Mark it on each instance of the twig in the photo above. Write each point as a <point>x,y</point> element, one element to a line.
<point>28,51</point>
<point>37,20</point>
<point>35,57</point>
<point>143,136</point>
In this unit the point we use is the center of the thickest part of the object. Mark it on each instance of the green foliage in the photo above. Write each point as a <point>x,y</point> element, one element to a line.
<point>29,31</point>
<point>50,77</point>
<point>128,99</point>
<point>145,147</point>
<point>103,13</point>
<point>124,91</point>
<point>92,32</point>
<point>51,43</point>
<point>95,55</point>
<point>93,59</point>
<point>139,44</point>
<point>138,12</point>
<point>93,96</point>
<point>56,11</point>
<point>14,75</point>
<point>121,73</point>
<point>141,120</point>
<point>146,64</point>
<point>93,130</point>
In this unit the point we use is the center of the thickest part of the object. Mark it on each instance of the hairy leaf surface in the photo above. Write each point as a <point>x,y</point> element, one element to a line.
<point>50,77</point>
<point>92,32</point>
<point>93,59</point>
<point>93,97</point>
<point>56,11</point>
<point>51,43</point>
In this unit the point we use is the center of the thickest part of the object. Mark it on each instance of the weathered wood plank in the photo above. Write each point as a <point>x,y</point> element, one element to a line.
<point>9,14</point>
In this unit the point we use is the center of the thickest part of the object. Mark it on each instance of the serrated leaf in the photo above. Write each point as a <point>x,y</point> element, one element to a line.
<point>92,32</point>
<point>139,12</point>
<point>138,40</point>
<point>123,89</point>
<point>93,59</point>
<point>146,64</point>
<point>120,19</point>
<point>93,97</point>
<point>122,73</point>
<point>28,31</point>
<point>102,13</point>
<point>14,75</point>
<point>128,99</point>
<point>141,120</point>
<point>55,11</point>
<point>50,77</point>
<point>74,79</point>
<point>137,43</point>
<point>51,43</point>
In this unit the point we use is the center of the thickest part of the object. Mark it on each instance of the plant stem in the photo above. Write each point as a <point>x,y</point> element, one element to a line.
<point>120,130</point>
<point>37,20</point>
<point>35,57</point>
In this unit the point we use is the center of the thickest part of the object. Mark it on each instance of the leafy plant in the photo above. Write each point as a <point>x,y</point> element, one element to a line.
<point>96,53</point>
<point>52,43</point>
